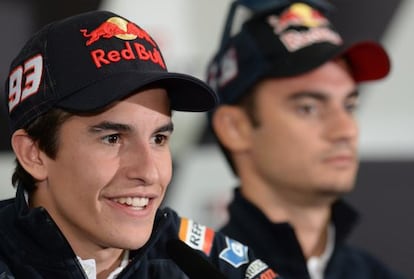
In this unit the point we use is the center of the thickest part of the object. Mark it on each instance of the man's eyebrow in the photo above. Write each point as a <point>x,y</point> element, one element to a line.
<point>353,94</point>
<point>319,95</point>
<point>308,94</point>
<point>169,127</point>
<point>107,125</point>
<point>118,127</point>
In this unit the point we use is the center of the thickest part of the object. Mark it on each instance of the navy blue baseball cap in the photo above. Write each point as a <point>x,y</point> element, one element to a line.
<point>88,61</point>
<point>287,41</point>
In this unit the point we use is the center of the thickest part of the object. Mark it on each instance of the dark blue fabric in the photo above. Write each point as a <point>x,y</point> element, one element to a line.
<point>32,246</point>
<point>277,245</point>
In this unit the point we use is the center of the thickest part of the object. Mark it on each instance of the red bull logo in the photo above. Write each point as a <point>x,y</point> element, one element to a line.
<point>116,27</point>
<point>130,52</point>
<point>127,31</point>
<point>302,15</point>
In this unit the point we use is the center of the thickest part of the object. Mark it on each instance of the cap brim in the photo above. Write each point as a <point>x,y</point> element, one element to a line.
<point>368,60</point>
<point>186,93</point>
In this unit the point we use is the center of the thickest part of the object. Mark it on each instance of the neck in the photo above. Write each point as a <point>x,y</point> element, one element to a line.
<point>311,229</point>
<point>106,261</point>
<point>105,268</point>
<point>309,216</point>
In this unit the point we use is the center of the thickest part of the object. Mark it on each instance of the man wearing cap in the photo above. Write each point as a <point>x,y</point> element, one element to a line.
<point>90,100</point>
<point>288,86</point>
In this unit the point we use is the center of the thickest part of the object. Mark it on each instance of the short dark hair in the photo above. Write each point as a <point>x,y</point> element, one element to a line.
<point>248,103</point>
<point>44,130</point>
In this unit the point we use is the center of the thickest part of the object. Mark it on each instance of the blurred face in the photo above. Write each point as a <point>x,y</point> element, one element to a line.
<point>110,173</point>
<point>306,139</point>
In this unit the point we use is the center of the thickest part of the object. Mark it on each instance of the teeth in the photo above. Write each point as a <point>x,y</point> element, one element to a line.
<point>133,201</point>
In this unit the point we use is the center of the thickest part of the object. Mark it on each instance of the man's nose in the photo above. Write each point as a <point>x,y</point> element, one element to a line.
<point>140,163</point>
<point>342,125</point>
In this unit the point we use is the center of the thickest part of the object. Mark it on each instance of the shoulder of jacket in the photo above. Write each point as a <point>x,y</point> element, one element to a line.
<point>5,271</point>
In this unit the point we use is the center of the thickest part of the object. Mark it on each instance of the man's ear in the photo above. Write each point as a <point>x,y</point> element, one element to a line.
<point>232,127</point>
<point>28,154</point>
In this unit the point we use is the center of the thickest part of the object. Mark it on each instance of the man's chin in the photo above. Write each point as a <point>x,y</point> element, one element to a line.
<point>335,192</point>
<point>133,238</point>
<point>133,244</point>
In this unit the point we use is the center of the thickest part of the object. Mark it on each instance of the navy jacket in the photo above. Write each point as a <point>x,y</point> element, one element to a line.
<point>32,246</point>
<point>276,243</point>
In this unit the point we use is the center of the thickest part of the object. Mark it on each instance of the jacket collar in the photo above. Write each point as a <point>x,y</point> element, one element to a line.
<point>277,242</point>
<point>344,217</point>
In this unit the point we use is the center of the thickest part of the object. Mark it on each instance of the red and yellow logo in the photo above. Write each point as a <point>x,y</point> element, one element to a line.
<point>300,14</point>
<point>122,29</point>
<point>317,29</point>
<point>116,27</point>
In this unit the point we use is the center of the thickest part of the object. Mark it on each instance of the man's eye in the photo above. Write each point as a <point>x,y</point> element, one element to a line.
<point>111,139</point>
<point>160,139</point>
<point>352,107</point>
<point>307,109</point>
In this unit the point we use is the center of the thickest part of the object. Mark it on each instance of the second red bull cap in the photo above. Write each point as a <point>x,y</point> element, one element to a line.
<point>86,62</point>
<point>288,41</point>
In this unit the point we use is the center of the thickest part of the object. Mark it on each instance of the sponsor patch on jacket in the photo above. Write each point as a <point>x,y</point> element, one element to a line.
<point>235,253</point>
<point>196,236</point>
<point>259,270</point>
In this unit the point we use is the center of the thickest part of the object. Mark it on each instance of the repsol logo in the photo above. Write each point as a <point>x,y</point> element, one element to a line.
<point>196,234</point>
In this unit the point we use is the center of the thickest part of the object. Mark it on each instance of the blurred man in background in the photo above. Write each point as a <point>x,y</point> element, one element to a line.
<point>288,85</point>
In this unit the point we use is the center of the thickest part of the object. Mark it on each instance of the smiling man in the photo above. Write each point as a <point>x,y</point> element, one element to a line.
<point>288,87</point>
<point>90,101</point>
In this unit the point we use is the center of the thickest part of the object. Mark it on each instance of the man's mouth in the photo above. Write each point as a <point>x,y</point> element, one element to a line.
<point>136,203</point>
